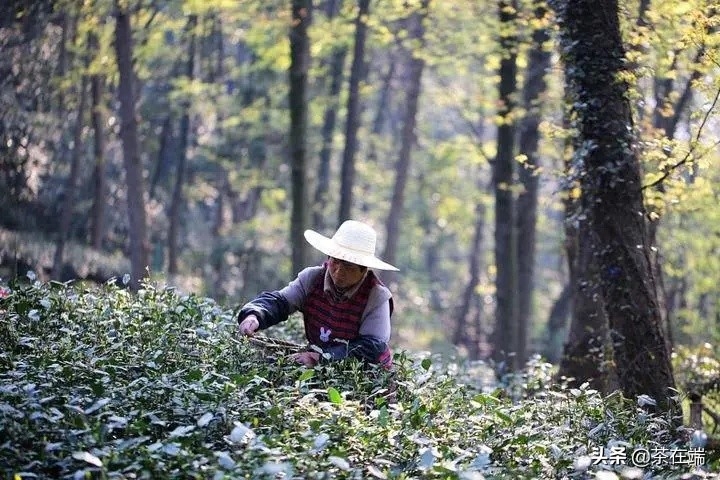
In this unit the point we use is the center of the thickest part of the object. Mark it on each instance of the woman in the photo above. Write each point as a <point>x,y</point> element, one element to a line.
<point>345,306</point>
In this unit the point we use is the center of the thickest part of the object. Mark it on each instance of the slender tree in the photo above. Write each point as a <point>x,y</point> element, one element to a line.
<point>611,196</point>
<point>299,67</point>
<point>527,201</point>
<point>506,334</point>
<point>97,87</point>
<point>352,124</point>
<point>463,326</point>
<point>131,150</point>
<point>176,203</point>
<point>72,181</point>
<point>336,64</point>
<point>415,66</point>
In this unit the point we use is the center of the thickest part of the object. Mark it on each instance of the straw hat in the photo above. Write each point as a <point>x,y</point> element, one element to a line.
<point>353,242</point>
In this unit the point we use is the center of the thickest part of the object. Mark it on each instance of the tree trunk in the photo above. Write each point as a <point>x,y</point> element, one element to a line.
<point>529,137</point>
<point>384,104</point>
<point>176,203</point>
<point>337,62</point>
<point>97,82</point>
<point>506,335</point>
<point>163,155</point>
<point>69,199</point>
<point>131,151</point>
<point>557,325</point>
<point>611,197</point>
<point>586,355</point>
<point>299,66</point>
<point>415,65</point>
<point>461,337</point>
<point>352,125</point>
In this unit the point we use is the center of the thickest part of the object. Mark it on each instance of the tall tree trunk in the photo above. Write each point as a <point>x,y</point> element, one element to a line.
<point>97,233</point>
<point>506,335</point>
<point>299,67</point>
<point>611,197</point>
<point>216,74</point>
<point>176,203</point>
<point>69,200</point>
<point>337,62</point>
<point>415,66</point>
<point>131,151</point>
<point>352,125</point>
<point>528,140</point>
<point>461,335</point>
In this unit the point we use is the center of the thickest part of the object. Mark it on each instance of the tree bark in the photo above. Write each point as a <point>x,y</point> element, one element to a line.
<point>299,67</point>
<point>506,334</point>
<point>352,125</point>
<point>587,356</point>
<point>611,197</point>
<point>176,203</point>
<point>131,151</point>
<point>415,65</point>
<point>529,138</point>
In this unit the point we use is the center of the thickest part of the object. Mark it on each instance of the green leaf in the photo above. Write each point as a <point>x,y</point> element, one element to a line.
<point>334,396</point>
<point>426,363</point>
<point>307,375</point>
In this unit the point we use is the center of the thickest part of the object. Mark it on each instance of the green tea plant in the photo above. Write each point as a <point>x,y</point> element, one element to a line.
<point>97,382</point>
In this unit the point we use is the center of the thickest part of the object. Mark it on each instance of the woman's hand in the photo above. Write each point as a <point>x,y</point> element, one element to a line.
<point>249,325</point>
<point>309,359</point>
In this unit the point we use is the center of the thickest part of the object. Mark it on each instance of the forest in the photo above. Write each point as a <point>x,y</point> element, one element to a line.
<point>543,174</point>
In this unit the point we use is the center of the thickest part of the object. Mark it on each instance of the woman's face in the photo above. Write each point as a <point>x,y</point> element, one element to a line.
<point>344,274</point>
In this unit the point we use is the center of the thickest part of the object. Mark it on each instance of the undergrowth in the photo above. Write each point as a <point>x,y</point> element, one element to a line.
<point>102,383</point>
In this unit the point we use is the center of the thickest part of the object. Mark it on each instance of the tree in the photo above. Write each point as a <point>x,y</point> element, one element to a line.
<point>611,196</point>
<point>300,64</point>
<point>336,64</point>
<point>131,152</point>
<point>71,184</point>
<point>176,204</point>
<point>97,217</point>
<point>415,65</point>
<point>352,123</point>
<point>506,334</point>
<point>527,201</point>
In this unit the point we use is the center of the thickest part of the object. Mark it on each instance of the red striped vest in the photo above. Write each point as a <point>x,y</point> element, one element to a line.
<point>327,320</point>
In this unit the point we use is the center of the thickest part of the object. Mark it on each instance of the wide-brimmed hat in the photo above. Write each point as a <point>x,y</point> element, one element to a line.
<point>353,242</point>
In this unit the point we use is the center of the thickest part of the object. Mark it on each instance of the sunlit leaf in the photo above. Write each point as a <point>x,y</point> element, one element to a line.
<point>205,419</point>
<point>334,396</point>
<point>88,457</point>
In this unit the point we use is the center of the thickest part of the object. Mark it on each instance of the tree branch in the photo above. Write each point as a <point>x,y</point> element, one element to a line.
<point>667,171</point>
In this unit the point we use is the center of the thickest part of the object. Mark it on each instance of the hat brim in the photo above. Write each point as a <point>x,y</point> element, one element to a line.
<point>330,248</point>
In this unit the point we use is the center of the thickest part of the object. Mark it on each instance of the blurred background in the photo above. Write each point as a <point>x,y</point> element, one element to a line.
<point>199,137</point>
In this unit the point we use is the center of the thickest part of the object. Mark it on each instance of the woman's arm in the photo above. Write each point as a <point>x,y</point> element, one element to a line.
<point>274,307</point>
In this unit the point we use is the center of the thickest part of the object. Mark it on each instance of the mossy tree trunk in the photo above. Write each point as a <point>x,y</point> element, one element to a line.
<point>611,196</point>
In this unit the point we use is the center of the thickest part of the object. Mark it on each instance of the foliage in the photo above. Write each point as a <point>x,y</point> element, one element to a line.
<point>101,383</point>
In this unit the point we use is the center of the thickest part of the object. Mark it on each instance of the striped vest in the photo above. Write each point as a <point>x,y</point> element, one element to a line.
<point>327,320</point>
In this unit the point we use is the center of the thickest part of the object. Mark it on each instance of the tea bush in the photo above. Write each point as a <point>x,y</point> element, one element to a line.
<point>102,383</point>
